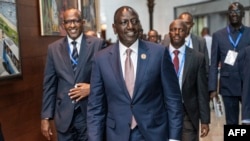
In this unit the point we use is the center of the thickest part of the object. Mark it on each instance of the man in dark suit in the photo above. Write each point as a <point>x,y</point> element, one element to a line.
<point>244,67</point>
<point>149,108</point>
<point>67,80</point>
<point>191,71</point>
<point>226,45</point>
<point>195,42</point>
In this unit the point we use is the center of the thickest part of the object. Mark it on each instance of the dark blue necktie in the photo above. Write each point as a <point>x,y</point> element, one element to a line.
<point>74,56</point>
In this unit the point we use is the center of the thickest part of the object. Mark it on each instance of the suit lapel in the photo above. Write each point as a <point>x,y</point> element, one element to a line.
<point>187,63</point>
<point>66,55</point>
<point>194,42</point>
<point>83,55</point>
<point>115,61</point>
<point>143,58</point>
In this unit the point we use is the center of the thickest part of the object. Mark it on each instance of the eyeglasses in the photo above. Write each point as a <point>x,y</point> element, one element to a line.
<point>238,12</point>
<point>69,22</point>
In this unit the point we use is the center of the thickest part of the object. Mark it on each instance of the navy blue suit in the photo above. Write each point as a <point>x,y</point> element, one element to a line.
<point>59,78</point>
<point>156,103</point>
<point>230,82</point>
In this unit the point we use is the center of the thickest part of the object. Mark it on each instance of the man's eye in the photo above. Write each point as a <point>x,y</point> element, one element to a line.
<point>134,21</point>
<point>124,22</point>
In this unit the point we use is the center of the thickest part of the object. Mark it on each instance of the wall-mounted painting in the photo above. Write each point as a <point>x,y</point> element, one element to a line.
<point>90,8</point>
<point>10,63</point>
<point>51,15</point>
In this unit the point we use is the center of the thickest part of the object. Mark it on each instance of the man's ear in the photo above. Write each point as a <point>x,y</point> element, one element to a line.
<point>192,24</point>
<point>114,29</point>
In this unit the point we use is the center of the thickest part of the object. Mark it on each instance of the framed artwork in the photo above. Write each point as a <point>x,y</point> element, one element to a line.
<point>90,10</point>
<point>10,63</point>
<point>51,16</point>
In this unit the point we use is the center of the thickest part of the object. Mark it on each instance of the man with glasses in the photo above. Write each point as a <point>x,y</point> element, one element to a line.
<point>226,45</point>
<point>66,83</point>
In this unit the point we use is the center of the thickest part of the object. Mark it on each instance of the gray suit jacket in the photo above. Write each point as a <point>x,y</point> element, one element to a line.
<point>199,44</point>
<point>59,78</point>
<point>195,88</point>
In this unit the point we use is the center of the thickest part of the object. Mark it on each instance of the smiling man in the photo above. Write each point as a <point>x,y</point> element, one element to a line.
<point>226,45</point>
<point>66,83</point>
<point>132,97</point>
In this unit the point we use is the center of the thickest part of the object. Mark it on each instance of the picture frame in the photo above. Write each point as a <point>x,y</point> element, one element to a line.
<point>51,16</point>
<point>10,62</point>
<point>90,12</point>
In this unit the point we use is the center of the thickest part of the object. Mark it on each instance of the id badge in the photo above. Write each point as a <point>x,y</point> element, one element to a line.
<point>231,57</point>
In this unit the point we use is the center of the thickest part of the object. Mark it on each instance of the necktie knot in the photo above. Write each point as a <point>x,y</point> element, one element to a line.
<point>129,51</point>
<point>73,43</point>
<point>176,52</point>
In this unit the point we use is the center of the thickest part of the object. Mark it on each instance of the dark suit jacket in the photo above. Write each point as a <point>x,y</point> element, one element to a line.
<point>244,67</point>
<point>195,89</point>
<point>158,113</point>
<point>59,78</point>
<point>230,83</point>
<point>199,44</point>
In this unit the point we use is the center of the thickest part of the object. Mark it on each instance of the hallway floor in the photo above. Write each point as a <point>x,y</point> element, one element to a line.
<point>216,132</point>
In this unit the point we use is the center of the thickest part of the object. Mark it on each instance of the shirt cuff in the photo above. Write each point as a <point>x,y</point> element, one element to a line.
<point>173,140</point>
<point>246,121</point>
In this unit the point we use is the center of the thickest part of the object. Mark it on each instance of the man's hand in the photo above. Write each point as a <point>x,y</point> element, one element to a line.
<point>213,94</point>
<point>80,91</point>
<point>204,130</point>
<point>46,129</point>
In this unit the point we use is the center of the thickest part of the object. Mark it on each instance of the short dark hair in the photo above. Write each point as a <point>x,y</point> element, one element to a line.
<point>124,7</point>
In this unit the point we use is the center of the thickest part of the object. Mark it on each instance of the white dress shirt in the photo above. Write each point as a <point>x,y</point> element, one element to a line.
<point>181,56</point>
<point>134,56</point>
<point>209,46</point>
<point>78,43</point>
<point>188,41</point>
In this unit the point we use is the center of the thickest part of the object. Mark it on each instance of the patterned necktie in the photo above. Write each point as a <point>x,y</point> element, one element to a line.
<point>74,55</point>
<point>129,79</point>
<point>176,60</point>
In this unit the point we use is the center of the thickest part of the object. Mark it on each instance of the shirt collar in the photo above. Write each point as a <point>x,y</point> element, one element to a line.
<point>233,30</point>
<point>181,49</point>
<point>188,38</point>
<point>78,40</point>
<point>133,47</point>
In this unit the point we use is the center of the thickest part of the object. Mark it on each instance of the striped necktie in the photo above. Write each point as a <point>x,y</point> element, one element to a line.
<point>74,55</point>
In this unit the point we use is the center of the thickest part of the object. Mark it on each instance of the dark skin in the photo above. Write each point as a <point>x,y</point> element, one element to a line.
<point>126,25</point>
<point>177,33</point>
<point>153,36</point>
<point>188,19</point>
<point>73,24</point>
<point>235,14</point>
<point>178,30</point>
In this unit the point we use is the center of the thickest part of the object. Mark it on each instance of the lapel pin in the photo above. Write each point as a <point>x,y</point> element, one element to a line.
<point>143,56</point>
